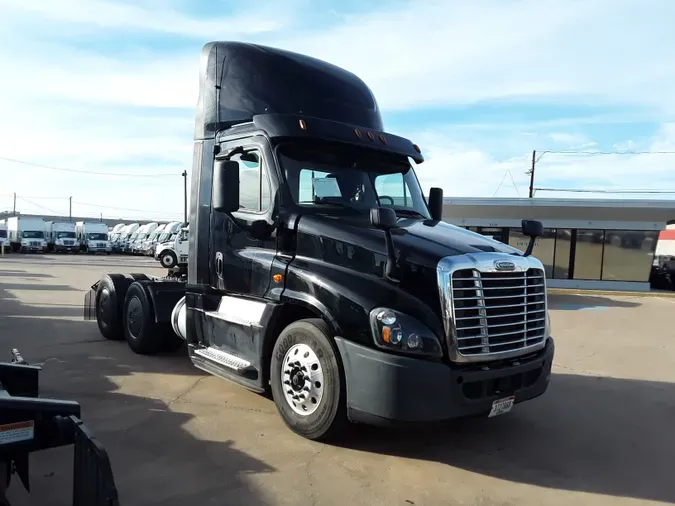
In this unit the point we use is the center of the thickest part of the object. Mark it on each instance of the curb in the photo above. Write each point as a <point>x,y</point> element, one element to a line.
<point>617,293</point>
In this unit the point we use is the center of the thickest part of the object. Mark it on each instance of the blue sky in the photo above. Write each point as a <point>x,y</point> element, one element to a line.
<point>110,86</point>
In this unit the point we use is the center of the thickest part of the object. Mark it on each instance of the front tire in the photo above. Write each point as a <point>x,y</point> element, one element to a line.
<point>307,382</point>
<point>168,259</point>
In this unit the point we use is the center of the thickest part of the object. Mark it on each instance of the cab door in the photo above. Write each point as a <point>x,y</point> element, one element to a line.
<point>241,252</point>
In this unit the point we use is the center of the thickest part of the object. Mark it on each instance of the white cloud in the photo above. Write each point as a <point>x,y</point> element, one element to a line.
<point>70,104</point>
<point>162,18</point>
<point>464,171</point>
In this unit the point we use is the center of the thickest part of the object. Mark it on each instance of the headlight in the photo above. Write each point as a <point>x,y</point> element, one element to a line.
<point>396,331</point>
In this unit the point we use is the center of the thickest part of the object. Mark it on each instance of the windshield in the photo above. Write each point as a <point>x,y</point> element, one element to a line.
<point>97,237</point>
<point>140,236</point>
<point>32,234</point>
<point>329,175</point>
<point>65,235</point>
<point>163,237</point>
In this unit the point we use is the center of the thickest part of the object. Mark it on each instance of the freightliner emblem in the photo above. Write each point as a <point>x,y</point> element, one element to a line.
<point>503,265</point>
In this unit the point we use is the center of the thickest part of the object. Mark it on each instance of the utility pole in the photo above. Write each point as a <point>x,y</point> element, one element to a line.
<point>184,174</point>
<point>531,172</point>
<point>70,208</point>
<point>14,211</point>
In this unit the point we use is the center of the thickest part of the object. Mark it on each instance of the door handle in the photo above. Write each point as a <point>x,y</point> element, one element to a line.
<point>219,264</point>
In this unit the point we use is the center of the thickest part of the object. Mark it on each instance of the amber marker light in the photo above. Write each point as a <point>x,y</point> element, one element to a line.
<point>277,278</point>
<point>303,125</point>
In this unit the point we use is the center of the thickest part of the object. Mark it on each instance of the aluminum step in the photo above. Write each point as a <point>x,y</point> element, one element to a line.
<point>223,358</point>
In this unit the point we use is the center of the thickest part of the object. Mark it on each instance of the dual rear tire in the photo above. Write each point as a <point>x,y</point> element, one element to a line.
<point>132,317</point>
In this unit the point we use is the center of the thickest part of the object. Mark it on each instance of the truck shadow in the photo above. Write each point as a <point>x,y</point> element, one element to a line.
<point>599,435</point>
<point>24,274</point>
<point>575,302</point>
<point>159,454</point>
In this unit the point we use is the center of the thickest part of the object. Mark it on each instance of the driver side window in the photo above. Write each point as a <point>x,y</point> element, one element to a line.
<point>254,186</point>
<point>395,188</point>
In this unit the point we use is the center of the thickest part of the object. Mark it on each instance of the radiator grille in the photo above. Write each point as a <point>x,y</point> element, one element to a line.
<point>498,312</point>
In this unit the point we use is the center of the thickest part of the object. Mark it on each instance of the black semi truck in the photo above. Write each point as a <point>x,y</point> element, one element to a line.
<point>318,269</point>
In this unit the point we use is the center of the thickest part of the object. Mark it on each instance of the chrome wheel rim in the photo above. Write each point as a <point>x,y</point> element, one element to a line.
<point>302,379</point>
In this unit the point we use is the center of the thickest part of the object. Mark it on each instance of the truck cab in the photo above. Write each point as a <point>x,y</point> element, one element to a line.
<point>319,270</point>
<point>61,237</point>
<point>151,241</point>
<point>3,234</point>
<point>93,237</point>
<point>174,251</point>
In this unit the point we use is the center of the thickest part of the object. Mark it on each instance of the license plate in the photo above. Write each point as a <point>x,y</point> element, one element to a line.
<point>501,406</point>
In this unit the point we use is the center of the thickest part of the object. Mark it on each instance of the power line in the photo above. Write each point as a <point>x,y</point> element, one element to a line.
<point>63,169</point>
<point>38,205</point>
<point>566,152</point>
<point>638,192</point>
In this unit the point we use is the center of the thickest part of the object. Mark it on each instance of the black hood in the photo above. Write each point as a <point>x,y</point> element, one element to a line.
<point>420,241</point>
<point>348,250</point>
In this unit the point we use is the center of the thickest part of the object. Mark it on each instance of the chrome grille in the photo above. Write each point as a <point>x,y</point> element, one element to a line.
<point>496,312</point>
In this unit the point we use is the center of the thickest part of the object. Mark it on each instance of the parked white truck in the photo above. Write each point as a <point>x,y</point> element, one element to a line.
<point>93,236</point>
<point>4,242</point>
<point>174,252</point>
<point>127,234</point>
<point>61,237</point>
<point>150,241</point>
<point>130,238</point>
<point>143,233</point>
<point>168,234</point>
<point>26,234</point>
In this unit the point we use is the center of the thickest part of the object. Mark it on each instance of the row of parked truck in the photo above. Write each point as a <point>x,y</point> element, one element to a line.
<point>166,242</point>
<point>30,234</point>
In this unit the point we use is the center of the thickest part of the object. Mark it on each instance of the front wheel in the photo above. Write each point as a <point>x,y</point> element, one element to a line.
<point>307,381</point>
<point>168,259</point>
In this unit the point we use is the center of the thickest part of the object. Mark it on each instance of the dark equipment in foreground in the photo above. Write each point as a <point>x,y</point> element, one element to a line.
<point>30,424</point>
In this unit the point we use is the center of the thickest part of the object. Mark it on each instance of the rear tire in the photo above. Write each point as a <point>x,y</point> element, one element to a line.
<point>144,335</point>
<point>322,413</point>
<point>109,304</point>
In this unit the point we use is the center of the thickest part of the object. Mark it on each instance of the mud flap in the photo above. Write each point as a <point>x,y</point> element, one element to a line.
<point>93,479</point>
<point>90,303</point>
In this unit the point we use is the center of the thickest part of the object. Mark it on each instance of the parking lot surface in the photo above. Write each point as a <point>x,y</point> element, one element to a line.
<point>601,435</point>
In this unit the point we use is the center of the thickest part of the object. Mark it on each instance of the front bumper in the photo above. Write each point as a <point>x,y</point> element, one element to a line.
<point>384,388</point>
<point>59,248</point>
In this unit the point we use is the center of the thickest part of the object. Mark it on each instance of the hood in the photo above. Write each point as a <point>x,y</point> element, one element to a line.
<point>426,241</point>
<point>351,242</point>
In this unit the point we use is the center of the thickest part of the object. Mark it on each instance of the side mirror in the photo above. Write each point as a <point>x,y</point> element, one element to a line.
<point>225,194</point>
<point>436,203</point>
<point>531,229</point>
<point>383,218</point>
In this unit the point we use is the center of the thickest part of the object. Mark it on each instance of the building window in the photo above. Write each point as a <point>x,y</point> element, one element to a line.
<point>543,247</point>
<point>588,254</point>
<point>561,268</point>
<point>628,255</point>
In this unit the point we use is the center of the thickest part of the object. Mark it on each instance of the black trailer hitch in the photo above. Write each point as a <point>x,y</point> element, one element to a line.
<point>30,424</point>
